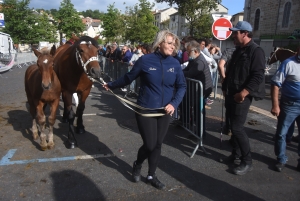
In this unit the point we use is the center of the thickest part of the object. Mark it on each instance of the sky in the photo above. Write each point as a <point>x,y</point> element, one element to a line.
<point>234,6</point>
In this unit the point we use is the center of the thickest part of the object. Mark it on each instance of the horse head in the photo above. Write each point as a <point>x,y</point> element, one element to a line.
<point>280,54</point>
<point>45,65</point>
<point>87,55</point>
<point>273,57</point>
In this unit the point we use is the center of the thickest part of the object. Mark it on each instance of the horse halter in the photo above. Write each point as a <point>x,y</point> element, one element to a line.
<point>80,58</point>
<point>274,54</point>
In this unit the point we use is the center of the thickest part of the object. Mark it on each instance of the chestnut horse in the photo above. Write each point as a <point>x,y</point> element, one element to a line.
<point>280,54</point>
<point>75,65</point>
<point>42,87</point>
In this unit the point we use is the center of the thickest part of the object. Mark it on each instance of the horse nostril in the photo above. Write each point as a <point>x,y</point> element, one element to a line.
<point>95,73</point>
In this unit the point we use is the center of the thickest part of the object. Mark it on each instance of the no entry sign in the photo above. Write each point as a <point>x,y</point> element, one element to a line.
<point>220,28</point>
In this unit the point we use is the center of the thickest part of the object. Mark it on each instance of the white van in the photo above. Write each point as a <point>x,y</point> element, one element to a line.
<point>7,52</point>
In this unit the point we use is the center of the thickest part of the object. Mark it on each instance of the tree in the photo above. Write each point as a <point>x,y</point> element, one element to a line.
<point>95,14</point>
<point>113,24</point>
<point>53,12</point>
<point>68,19</point>
<point>140,23</point>
<point>17,20</point>
<point>43,29</point>
<point>195,11</point>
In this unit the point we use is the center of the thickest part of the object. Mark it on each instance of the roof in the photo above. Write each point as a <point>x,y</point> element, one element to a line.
<point>240,13</point>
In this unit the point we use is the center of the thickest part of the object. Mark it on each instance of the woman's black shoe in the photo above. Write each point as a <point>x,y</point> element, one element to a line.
<point>155,183</point>
<point>136,172</point>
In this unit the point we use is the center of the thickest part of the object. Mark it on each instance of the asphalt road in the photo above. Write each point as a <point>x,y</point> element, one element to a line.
<point>112,138</point>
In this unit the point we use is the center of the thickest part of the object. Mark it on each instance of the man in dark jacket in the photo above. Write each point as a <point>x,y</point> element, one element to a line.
<point>116,54</point>
<point>196,69</point>
<point>126,54</point>
<point>244,81</point>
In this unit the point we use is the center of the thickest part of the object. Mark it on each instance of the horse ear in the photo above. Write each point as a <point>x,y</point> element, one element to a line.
<point>96,37</point>
<point>53,50</point>
<point>75,37</point>
<point>36,52</point>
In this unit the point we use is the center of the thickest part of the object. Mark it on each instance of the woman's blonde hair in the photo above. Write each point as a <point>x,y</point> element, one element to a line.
<point>162,37</point>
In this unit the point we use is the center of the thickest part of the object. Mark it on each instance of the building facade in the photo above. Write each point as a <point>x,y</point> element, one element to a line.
<point>237,17</point>
<point>162,17</point>
<point>179,24</point>
<point>272,17</point>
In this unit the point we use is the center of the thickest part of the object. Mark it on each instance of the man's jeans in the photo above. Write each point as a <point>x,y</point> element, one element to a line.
<point>289,111</point>
<point>237,113</point>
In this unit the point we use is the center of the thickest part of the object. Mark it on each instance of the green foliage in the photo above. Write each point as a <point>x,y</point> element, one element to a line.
<point>140,23</point>
<point>24,25</point>
<point>202,26</point>
<point>43,30</point>
<point>68,19</point>
<point>113,24</point>
<point>53,12</point>
<point>94,14</point>
<point>195,11</point>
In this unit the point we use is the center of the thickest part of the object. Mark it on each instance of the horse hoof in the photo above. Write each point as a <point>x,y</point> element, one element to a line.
<point>70,144</point>
<point>43,148</point>
<point>35,137</point>
<point>50,146</point>
<point>80,130</point>
<point>64,120</point>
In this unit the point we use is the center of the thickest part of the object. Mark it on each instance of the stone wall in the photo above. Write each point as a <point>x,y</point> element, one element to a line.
<point>271,15</point>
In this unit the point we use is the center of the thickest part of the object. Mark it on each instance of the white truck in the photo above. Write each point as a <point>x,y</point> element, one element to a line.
<point>7,52</point>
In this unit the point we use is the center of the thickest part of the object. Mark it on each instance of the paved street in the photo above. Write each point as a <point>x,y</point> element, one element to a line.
<point>100,168</point>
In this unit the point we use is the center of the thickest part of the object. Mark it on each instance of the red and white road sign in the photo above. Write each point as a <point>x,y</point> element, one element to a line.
<point>220,28</point>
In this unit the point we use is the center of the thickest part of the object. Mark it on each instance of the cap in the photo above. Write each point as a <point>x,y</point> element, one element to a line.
<point>242,26</point>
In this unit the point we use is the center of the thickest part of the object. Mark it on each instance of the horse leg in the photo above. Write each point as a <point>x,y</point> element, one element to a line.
<point>70,115</point>
<point>65,114</point>
<point>79,112</point>
<point>41,120</point>
<point>35,134</point>
<point>32,110</point>
<point>51,120</point>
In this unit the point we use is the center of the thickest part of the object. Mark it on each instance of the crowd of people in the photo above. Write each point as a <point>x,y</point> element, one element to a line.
<point>242,76</point>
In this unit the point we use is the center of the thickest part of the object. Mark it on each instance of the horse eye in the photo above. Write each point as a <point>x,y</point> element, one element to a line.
<point>80,50</point>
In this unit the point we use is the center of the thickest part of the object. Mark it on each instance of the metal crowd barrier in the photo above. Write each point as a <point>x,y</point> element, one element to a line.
<point>189,115</point>
<point>115,70</point>
<point>15,60</point>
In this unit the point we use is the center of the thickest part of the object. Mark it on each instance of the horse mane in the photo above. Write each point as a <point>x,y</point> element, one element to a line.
<point>86,39</point>
<point>286,49</point>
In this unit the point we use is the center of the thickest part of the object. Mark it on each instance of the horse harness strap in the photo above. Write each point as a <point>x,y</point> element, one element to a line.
<point>80,58</point>
<point>126,103</point>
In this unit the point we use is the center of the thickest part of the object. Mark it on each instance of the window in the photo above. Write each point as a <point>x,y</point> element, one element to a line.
<point>286,15</point>
<point>256,19</point>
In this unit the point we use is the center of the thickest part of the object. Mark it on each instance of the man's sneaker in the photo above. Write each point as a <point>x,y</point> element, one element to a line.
<point>123,89</point>
<point>209,101</point>
<point>155,183</point>
<point>226,131</point>
<point>230,159</point>
<point>243,169</point>
<point>136,172</point>
<point>279,166</point>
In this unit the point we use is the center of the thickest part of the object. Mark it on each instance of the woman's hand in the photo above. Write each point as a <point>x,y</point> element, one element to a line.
<point>169,109</point>
<point>106,87</point>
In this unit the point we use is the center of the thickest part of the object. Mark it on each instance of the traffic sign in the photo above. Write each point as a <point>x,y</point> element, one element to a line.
<point>220,28</point>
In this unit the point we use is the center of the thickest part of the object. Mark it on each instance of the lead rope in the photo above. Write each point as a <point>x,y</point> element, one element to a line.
<point>127,103</point>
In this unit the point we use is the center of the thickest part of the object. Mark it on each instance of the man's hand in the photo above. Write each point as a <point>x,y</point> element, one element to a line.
<point>240,97</point>
<point>275,110</point>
